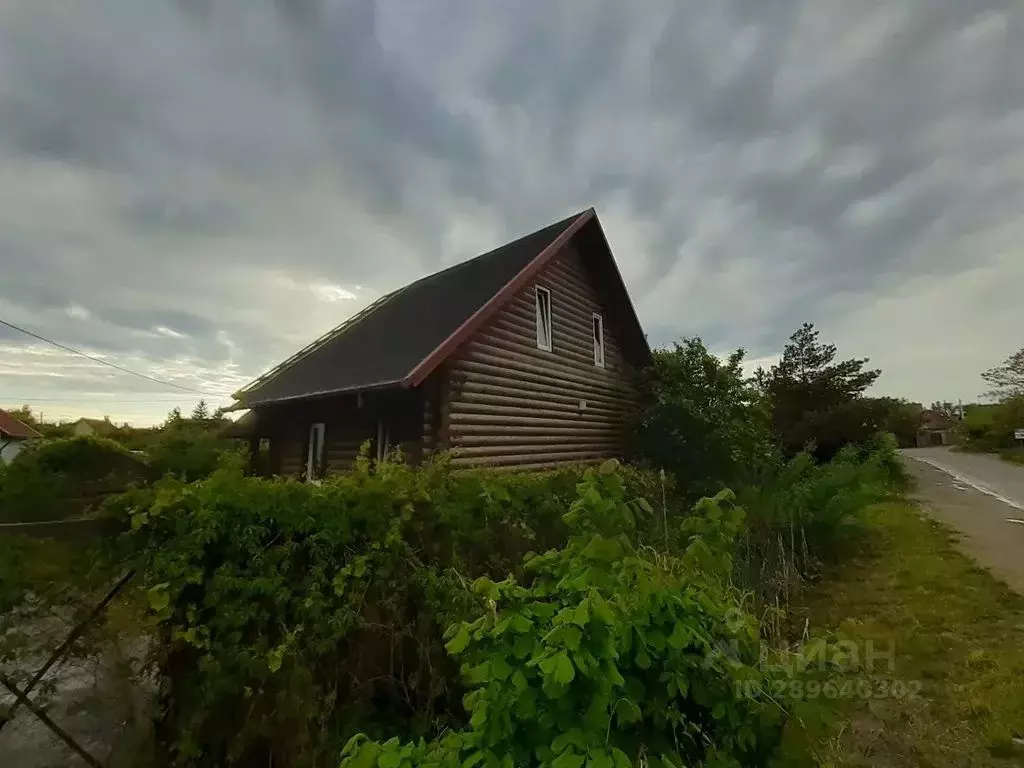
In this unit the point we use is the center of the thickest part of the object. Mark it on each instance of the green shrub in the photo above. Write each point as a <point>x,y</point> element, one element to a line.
<point>56,479</point>
<point>802,513</point>
<point>991,427</point>
<point>190,452</point>
<point>609,655</point>
<point>291,613</point>
<point>701,420</point>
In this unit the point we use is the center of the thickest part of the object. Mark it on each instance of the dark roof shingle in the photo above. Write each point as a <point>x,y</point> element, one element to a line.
<point>384,343</point>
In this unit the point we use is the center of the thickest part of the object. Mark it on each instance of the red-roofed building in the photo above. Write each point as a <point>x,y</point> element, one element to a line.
<point>13,436</point>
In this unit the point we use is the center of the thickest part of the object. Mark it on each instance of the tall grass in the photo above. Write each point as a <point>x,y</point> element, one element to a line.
<point>802,514</point>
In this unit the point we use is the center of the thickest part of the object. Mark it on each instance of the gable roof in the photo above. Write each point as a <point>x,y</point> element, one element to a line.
<point>11,427</point>
<point>403,336</point>
<point>96,423</point>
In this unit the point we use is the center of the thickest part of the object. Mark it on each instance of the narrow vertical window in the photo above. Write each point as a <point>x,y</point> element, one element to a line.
<point>315,453</point>
<point>543,319</point>
<point>598,341</point>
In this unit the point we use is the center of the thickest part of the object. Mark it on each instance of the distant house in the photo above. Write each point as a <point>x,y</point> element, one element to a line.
<point>95,427</point>
<point>934,428</point>
<point>13,436</point>
<point>521,358</point>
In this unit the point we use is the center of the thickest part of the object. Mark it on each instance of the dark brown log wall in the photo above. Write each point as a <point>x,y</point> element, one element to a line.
<point>506,403</point>
<point>347,425</point>
<point>345,428</point>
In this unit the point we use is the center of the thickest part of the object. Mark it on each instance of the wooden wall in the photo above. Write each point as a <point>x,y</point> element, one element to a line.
<point>347,424</point>
<point>504,402</point>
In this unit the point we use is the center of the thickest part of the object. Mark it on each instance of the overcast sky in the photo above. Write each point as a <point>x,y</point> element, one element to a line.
<point>196,189</point>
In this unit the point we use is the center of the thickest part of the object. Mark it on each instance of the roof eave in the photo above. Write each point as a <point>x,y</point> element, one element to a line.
<point>244,405</point>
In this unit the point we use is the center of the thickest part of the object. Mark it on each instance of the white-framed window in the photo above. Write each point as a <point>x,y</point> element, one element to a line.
<point>543,319</point>
<point>598,341</point>
<point>315,452</point>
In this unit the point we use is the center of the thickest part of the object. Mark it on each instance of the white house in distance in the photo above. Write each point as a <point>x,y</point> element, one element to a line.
<point>13,436</point>
<point>87,427</point>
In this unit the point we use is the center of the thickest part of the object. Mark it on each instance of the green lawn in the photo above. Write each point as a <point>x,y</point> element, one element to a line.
<point>1013,455</point>
<point>958,636</point>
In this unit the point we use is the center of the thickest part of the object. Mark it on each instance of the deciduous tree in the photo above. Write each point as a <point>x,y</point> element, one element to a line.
<point>701,419</point>
<point>1007,378</point>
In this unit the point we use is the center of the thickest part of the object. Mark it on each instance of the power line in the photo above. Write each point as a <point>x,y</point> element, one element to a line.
<point>101,361</point>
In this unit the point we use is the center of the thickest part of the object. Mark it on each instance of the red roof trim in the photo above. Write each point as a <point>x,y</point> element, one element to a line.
<point>478,318</point>
<point>11,427</point>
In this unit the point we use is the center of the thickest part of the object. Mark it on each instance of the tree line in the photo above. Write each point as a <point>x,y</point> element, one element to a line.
<point>713,426</point>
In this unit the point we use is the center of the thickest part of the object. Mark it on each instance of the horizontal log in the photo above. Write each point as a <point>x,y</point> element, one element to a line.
<point>539,399</point>
<point>567,289</point>
<point>565,350</point>
<point>481,383</point>
<point>569,292</point>
<point>579,328</point>
<point>458,429</point>
<point>551,370</point>
<point>524,406</point>
<point>581,343</point>
<point>574,293</point>
<point>528,458</point>
<point>542,466</point>
<point>346,441</point>
<point>576,438</point>
<point>346,448</point>
<point>474,412</point>
<point>556,419</point>
<point>484,377</point>
<point>565,273</point>
<point>533,450</point>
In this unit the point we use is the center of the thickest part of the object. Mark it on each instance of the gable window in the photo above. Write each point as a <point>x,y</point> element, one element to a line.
<point>598,341</point>
<point>543,319</point>
<point>315,453</point>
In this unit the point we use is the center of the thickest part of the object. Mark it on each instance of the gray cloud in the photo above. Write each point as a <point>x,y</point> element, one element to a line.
<point>200,187</point>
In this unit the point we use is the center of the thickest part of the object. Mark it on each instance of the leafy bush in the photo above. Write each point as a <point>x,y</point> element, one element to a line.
<point>291,613</point>
<point>190,451</point>
<point>56,479</point>
<point>701,420</point>
<point>609,655</point>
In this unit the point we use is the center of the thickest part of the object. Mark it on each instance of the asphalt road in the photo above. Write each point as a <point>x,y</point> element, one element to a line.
<point>980,496</point>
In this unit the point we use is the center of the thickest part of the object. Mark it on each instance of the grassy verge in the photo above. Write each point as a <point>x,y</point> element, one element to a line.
<point>1013,455</point>
<point>957,636</point>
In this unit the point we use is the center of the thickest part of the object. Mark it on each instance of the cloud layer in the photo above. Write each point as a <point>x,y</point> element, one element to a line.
<point>196,189</point>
